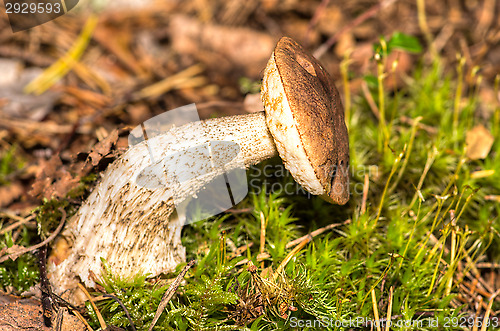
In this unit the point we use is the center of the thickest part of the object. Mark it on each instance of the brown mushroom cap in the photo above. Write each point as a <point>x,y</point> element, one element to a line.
<point>306,118</point>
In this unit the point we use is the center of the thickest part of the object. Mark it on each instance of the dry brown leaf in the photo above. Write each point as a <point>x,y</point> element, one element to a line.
<point>479,141</point>
<point>53,180</point>
<point>10,193</point>
<point>103,147</point>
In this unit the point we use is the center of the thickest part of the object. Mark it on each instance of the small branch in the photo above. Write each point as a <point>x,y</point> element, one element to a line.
<point>20,221</point>
<point>262,247</point>
<point>314,20</point>
<point>308,238</point>
<point>15,255</point>
<point>372,11</point>
<point>170,293</point>
<point>123,307</point>
<point>488,310</point>
<point>316,233</point>
<point>365,194</point>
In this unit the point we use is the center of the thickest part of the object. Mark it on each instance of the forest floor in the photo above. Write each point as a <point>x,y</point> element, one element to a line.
<point>419,240</point>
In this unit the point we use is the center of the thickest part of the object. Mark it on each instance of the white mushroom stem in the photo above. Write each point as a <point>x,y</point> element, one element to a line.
<point>133,227</point>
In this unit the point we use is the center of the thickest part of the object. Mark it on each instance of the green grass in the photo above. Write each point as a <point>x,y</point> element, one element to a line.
<point>21,274</point>
<point>407,240</point>
<point>10,161</point>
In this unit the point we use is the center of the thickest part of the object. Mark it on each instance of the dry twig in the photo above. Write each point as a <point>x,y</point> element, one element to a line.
<point>170,293</point>
<point>25,250</point>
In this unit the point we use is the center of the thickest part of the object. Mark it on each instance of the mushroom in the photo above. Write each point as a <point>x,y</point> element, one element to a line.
<point>135,227</point>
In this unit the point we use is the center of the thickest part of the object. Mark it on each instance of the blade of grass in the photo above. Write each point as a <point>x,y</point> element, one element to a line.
<point>414,128</point>
<point>384,193</point>
<point>96,311</point>
<point>62,66</point>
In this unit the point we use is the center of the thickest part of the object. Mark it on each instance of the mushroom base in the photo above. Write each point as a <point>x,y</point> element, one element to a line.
<point>135,228</point>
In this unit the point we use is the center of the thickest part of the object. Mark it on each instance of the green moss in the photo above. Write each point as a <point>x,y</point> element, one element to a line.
<point>21,274</point>
<point>10,161</point>
<point>425,213</point>
<point>397,243</point>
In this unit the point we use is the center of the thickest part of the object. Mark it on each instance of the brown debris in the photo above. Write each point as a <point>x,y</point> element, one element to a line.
<point>10,193</point>
<point>479,142</point>
<point>222,47</point>
<point>53,180</point>
<point>103,148</point>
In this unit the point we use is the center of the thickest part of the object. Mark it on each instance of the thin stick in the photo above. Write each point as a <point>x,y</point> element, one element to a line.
<point>488,265</point>
<point>170,293</point>
<point>422,22</point>
<point>429,129</point>
<point>315,233</point>
<point>169,83</point>
<point>369,99</point>
<point>20,221</point>
<point>453,251</point>
<point>488,311</point>
<point>314,20</point>
<point>354,23</point>
<point>80,317</point>
<point>15,255</point>
<point>375,309</point>
<point>59,318</point>
<point>389,309</point>
<point>365,194</point>
<point>478,312</point>
<point>262,237</point>
<point>123,307</point>
<point>240,250</point>
<point>8,214</point>
<point>298,240</point>
<point>47,304</point>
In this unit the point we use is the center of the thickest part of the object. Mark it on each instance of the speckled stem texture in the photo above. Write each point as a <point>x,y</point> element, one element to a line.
<point>134,228</point>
